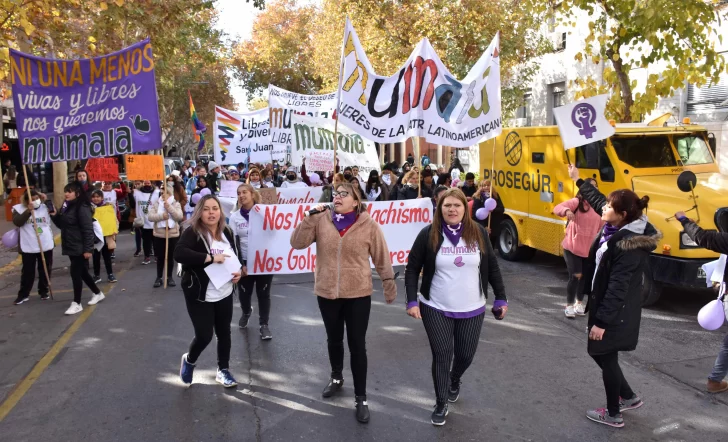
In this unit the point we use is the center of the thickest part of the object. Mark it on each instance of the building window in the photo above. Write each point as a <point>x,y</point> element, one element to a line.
<point>523,113</point>
<point>560,42</point>
<point>557,92</point>
<point>712,97</point>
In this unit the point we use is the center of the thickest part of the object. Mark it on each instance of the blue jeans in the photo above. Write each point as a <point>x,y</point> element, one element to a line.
<point>720,369</point>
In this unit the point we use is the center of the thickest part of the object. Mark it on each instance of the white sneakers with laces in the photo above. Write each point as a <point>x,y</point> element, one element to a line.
<point>569,312</point>
<point>579,309</point>
<point>74,308</point>
<point>95,299</point>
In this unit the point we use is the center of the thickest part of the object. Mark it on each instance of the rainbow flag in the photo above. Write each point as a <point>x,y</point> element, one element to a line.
<point>197,127</point>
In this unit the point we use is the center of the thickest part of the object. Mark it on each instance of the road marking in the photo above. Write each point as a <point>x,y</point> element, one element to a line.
<point>54,292</point>
<point>22,387</point>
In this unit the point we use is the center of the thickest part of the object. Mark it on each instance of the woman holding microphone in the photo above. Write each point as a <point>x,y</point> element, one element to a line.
<point>346,237</point>
<point>458,263</point>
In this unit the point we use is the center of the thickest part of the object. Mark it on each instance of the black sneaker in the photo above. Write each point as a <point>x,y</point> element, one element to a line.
<point>158,283</point>
<point>453,393</point>
<point>333,386</point>
<point>171,283</point>
<point>112,278</point>
<point>265,333</point>
<point>146,261</point>
<point>243,323</point>
<point>137,254</point>
<point>19,300</point>
<point>439,415</point>
<point>45,296</point>
<point>97,279</point>
<point>362,409</point>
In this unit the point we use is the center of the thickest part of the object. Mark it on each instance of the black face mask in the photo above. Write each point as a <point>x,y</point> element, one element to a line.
<point>291,177</point>
<point>147,189</point>
<point>347,175</point>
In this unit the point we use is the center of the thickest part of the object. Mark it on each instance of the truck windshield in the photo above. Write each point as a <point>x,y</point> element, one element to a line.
<point>645,151</point>
<point>693,150</point>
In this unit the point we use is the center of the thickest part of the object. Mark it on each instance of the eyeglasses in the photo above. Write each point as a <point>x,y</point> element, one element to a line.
<point>342,194</point>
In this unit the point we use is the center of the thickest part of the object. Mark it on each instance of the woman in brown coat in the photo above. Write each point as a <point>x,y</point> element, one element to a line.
<point>166,214</point>
<point>345,240</point>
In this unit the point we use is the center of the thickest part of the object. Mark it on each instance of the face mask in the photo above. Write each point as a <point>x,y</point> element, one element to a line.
<point>268,179</point>
<point>347,175</point>
<point>291,177</point>
<point>387,179</point>
<point>36,204</point>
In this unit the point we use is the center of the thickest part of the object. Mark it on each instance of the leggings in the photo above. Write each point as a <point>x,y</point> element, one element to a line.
<point>262,289</point>
<point>138,239</point>
<point>210,318</point>
<point>147,237</point>
<point>448,337</point>
<point>159,254</point>
<point>354,313</point>
<point>27,273</point>
<point>80,275</point>
<point>615,385</point>
<point>106,253</point>
<point>575,286</point>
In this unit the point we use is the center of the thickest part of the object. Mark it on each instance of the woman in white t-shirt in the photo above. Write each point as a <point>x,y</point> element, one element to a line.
<point>145,197</point>
<point>458,263</point>
<point>208,242</point>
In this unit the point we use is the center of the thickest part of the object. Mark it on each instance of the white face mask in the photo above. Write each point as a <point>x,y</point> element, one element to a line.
<point>36,204</point>
<point>387,179</point>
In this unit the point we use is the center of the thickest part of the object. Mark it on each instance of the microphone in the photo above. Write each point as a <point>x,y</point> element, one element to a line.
<point>329,206</point>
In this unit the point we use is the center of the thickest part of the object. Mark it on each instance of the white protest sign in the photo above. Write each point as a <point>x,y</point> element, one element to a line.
<point>229,188</point>
<point>422,99</point>
<point>271,227</point>
<point>283,104</point>
<point>293,195</point>
<point>320,160</point>
<point>241,137</point>
<point>583,122</point>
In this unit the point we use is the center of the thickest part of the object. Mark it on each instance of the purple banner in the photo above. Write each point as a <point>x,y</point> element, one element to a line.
<point>90,108</point>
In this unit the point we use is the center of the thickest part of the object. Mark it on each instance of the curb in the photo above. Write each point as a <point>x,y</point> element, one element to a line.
<point>19,260</point>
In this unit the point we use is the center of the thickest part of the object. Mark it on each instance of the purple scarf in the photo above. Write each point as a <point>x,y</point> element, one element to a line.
<point>343,220</point>
<point>453,233</point>
<point>607,233</point>
<point>245,213</point>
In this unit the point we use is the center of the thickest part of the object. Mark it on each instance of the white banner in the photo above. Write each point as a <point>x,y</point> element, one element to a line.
<point>283,104</point>
<point>239,133</point>
<point>317,134</point>
<point>271,227</point>
<point>422,99</point>
<point>583,122</point>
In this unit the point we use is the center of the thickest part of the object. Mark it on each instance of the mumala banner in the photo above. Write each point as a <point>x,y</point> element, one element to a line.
<point>317,135</point>
<point>283,104</point>
<point>271,227</point>
<point>422,99</point>
<point>90,108</point>
<point>242,137</point>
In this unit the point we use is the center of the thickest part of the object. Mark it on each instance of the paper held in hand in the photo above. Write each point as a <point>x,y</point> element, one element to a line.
<point>221,274</point>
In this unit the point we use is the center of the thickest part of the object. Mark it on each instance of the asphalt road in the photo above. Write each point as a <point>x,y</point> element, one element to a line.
<point>113,376</point>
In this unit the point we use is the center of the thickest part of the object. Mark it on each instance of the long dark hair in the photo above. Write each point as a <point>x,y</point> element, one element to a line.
<point>472,233</point>
<point>373,181</point>
<point>584,206</point>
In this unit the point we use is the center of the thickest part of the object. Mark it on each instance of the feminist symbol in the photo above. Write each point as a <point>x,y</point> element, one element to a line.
<point>583,116</point>
<point>339,217</point>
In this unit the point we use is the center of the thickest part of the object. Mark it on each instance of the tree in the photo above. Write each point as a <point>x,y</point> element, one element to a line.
<point>676,39</point>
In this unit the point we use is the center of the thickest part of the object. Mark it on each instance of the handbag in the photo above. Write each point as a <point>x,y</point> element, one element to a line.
<point>139,220</point>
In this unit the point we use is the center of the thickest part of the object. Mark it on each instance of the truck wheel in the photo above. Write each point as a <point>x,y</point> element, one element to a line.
<point>651,290</point>
<point>508,243</point>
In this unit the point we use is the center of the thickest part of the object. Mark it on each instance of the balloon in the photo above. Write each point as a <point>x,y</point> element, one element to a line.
<point>204,192</point>
<point>455,182</point>
<point>710,317</point>
<point>315,179</point>
<point>196,198</point>
<point>489,204</point>
<point>482,213</point>
<point>10,238</point>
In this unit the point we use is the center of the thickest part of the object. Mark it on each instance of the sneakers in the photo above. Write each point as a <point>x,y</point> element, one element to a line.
<point>569,312</point>
<point>265,333</point>
<point>137,254</point>
<point>717,387</point>
<point>225,378</point>
<point>45,296</point>
<point>601,416</point>
<point>362,409</point>
<point>146,261</point>
<point>74,308</point>
<point>97,279</point>
<point>439,416</point>
<point>243,323</point>
<point>112,278</point>
<point>95,299</point>
<point>453,393</point>
<point>630,404</point>
<point>333,387</point>
<point>185,370</point>
<point>19,300</point>
<point>170,282</point>
<point>157,282</point>
<point>579,309</point>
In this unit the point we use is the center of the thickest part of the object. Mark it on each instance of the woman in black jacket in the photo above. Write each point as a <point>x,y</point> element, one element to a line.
<point>458,264</point>
<point>75,219</point>
<point>496,216</point>
<point>613,280</point>
<point>207,242</point>
<point>409,190</point>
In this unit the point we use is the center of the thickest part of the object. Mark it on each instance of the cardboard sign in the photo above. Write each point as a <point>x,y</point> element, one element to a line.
<point>103,169</point>
<point>145,167</point>
<point>229,189</point>
<point>321,161</point>
<point>268,196</point>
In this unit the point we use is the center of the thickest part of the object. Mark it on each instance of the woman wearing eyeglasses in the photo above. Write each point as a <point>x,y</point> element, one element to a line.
<point>345,240</point>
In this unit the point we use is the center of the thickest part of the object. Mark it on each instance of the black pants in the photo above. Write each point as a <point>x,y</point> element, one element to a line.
<point>262,289</point>
<point>575,286</point>
<point>615,385</point>
<point>80,275</point>
<point>147,237</point>
<point>159,254</point>
<point>354,313</point>
<point>210,318</point>
<point>106,253</point>
<point>138,239</point>
<point>27,275</point>
<point>448,337</point>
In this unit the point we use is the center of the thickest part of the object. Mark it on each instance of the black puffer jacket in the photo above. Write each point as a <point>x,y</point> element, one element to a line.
<point>711,240</point>
<point>615,301</point>
<point>77,228</point>
<point>407,193</point>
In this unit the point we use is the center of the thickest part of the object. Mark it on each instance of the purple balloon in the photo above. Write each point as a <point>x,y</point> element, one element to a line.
<point>204,192</point>
<point>315,178</point>
<point>196,198</point>
<point>482,213</point>
<point>489,204</point>
<point>10,238</point>
<point>710,317</point>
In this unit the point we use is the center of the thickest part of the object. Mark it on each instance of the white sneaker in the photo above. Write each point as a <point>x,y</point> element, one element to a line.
<point>95,299</point>
<point>569,311</point>
<point>74,308</point>
<point>579,309</point>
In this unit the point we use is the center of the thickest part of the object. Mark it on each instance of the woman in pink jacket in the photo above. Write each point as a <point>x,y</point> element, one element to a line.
<point>583,226</point>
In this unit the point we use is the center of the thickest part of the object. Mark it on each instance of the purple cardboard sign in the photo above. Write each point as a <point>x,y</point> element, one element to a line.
<point>88,108</point>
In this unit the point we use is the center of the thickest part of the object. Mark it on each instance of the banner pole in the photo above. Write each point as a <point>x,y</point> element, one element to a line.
<point>166,228</point>
<point>419,166</point>
<point>492,184</point>
<point>35,227</point>
<point>338,98</point>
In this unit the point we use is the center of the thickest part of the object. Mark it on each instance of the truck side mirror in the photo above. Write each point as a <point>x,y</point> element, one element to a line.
<point>687,181</point>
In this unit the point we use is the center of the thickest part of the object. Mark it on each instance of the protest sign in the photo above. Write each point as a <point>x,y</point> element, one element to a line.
<point>229,188</point>
<point>268,196</point>
<point>422,99</point>
<point>145,167</point>
<point>583,122</point>
<point>283,105</point>
<point>299,195</point>
<point>242,137</point>
<point>317,135</point>
<point>322,161</point>
<point>103,169</point>
<point>271,227</point>
<point>89,108</point>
